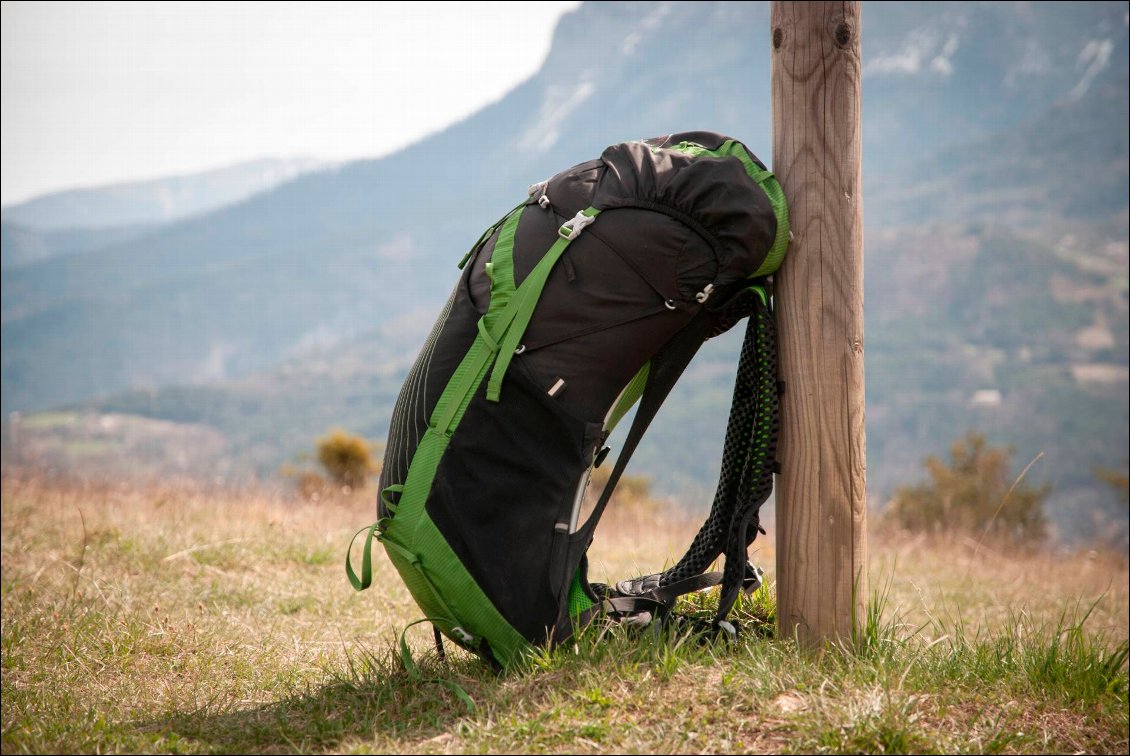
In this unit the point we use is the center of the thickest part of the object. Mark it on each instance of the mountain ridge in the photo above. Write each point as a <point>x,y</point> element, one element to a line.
<point>155,200</point>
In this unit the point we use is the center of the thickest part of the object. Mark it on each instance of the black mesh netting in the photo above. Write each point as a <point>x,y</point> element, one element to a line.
<point>748,461</point>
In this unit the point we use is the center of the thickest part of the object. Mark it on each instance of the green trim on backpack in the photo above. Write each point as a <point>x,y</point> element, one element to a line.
<point>781,241</point>
<point>628,397</point>
<point>579,601</point>
<point>761,294</point>
<point>768,183</point>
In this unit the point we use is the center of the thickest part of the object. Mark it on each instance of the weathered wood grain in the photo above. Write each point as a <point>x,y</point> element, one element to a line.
<point>822,489</point>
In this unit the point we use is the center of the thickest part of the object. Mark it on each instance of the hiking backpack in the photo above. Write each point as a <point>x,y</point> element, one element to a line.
<point>592,294</point>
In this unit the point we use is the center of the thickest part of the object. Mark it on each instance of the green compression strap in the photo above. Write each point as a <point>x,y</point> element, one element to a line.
<point>526,299</point>
<point>491,326</point>
<point>469,374</point>
<point>416,676</point>
<point>502,263</point>
<point>503,326</point>
<point>366,579</point>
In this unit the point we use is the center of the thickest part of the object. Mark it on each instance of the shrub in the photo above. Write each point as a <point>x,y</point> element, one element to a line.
<point>975,493</point>
<point>347,459</point>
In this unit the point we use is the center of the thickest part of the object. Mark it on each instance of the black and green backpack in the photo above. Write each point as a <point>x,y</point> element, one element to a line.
<point>592,294</point>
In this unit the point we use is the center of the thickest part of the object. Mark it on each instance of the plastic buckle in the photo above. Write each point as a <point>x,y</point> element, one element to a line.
<point>753,581</point>
<point>538,187</point>
<point>571,229</point>
<point>543,201</point>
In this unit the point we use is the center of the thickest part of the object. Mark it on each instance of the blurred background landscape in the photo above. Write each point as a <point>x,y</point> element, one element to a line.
<point>213,325</point>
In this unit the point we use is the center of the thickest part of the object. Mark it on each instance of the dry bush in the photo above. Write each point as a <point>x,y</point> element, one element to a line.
<point>974,493</point>
<point>346,458</point>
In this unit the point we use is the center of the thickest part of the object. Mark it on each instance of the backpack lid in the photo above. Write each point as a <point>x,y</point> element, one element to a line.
<point>714,185</point>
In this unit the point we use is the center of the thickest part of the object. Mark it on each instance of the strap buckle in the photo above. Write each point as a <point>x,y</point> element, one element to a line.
<point>572,228</point>
<point>540,189</point>
<point>753,578</point>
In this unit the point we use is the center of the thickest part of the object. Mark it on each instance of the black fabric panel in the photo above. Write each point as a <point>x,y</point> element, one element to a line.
<point>696,266</point>
<point>668,364</point>
<point>596,366</point>
<point>509,474</point>
<point>674,258</point>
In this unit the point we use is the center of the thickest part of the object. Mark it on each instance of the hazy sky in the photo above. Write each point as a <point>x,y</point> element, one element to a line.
<point>102,92</point>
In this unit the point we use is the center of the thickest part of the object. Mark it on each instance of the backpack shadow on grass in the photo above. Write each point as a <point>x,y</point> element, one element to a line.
<point>375,699</point>
<point>372,700</point>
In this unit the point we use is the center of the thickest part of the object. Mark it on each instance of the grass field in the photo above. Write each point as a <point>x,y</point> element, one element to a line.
<point>179,619</point>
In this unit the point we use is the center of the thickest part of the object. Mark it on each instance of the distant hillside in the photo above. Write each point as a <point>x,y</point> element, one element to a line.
<point>1068,162</point>
<point>155,201</point>
<point>22,245</point>
<point>995,161</point>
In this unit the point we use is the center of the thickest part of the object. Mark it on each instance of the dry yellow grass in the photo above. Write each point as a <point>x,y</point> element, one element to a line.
<point>176,617</point>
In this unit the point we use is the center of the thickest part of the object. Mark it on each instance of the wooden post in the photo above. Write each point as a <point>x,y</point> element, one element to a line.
<point>822,489</point>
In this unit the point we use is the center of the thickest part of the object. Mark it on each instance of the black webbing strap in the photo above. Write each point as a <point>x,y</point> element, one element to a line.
<point>621,607</point>
<point>649,585</point>
<point>666,367</point>
<point>438,637</point>
<point>748,460</point>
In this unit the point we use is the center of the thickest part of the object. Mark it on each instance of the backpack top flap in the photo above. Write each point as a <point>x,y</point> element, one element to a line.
<point>711,183</point>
